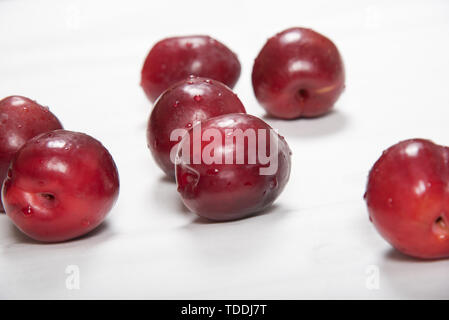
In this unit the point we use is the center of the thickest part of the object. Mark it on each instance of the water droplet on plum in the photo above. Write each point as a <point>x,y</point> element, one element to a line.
<point>27,211</point>
<point>212,171</point>
<point>273,183</point>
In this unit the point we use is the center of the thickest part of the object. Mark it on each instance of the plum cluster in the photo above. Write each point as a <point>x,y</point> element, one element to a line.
<point>298,73</point>
<point>57,184</point>
<point>227,164</point>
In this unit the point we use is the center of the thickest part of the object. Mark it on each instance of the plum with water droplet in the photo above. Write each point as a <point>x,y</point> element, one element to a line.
<point>231,166</point>
<point>174,59</point>
<point>407,195</point>
<point>298,73</point>
<point>61,185</point>
<point>180,107</point>
<point>20,120</point>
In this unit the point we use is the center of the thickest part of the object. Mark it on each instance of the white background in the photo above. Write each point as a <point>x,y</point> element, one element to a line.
<point>83,60</point>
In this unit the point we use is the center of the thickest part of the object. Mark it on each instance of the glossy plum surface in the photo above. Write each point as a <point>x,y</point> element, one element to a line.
<point>61,185</point>
<point>230,191</point>
<point>298,73</point>
<point>174,59</point>
<point>20,120</point>
<point>408,198</point>
<point>181,106</point>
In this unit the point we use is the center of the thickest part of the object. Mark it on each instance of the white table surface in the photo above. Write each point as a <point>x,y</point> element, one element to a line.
<point>83,59</point>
